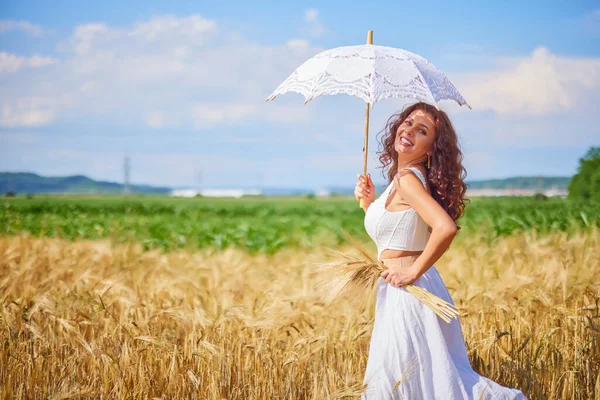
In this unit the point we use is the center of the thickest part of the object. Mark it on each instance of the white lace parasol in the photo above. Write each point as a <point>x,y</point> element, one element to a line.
<point>372,73</point>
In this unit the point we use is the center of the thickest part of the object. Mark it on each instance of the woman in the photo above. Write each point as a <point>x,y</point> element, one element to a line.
<point>413,353</point>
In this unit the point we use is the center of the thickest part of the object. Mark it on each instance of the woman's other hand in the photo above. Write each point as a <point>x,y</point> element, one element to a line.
<point>399,276</point>
<point>364,189</point>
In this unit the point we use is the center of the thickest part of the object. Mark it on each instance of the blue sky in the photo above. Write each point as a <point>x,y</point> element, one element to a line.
<point>180,87</point>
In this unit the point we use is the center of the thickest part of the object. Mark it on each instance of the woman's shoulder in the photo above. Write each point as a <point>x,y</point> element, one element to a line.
<point>421,175</point>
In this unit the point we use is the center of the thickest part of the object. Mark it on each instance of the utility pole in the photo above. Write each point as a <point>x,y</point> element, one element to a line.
<point>126,168</point>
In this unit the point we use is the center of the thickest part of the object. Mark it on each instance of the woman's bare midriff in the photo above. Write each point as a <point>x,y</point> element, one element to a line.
<point>388,253</point>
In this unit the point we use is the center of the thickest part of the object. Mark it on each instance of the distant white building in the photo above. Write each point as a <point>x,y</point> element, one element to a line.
<point>235,193</point>
<point>323,193</point>
<point>184,192</point>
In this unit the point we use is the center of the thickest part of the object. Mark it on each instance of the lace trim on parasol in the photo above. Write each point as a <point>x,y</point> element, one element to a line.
<point>364,87</point>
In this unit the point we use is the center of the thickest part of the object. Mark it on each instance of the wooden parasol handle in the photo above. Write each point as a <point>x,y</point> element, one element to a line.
<point>363,203</point>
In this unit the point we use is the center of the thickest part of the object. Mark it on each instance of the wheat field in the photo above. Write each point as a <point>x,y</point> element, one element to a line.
<point>93,320</point>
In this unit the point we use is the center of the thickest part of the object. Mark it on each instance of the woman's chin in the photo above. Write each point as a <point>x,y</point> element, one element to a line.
<point>404,150</point>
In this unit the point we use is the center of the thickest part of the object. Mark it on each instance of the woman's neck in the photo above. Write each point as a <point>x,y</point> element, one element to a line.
<point>411,163</point>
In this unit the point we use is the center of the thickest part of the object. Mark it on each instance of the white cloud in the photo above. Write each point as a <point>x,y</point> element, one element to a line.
<point>155,120</point>
<point>169,25</point>
<point>23,26</point>
<point>311,15</point>
<point>40,61</point>
<point>179,68</point>
<point>301,45</point>
<point>211,114</point>
<point>28,111</point>
<point>540,84</point>
<point>84,36</point>
<point>208,114</point>
<point>314,26</point>
<point>10,63</point>
<point>292,111</point>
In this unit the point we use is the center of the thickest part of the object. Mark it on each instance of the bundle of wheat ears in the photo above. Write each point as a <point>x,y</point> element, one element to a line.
<point>354,276</point>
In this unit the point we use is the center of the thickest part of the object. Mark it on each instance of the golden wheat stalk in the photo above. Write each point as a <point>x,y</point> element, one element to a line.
<point>354,276</point>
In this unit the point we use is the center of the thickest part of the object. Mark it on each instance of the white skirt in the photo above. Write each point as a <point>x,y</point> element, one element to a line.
<point>411,345</point>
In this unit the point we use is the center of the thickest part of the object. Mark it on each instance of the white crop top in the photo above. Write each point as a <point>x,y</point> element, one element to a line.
<point>396,230</point>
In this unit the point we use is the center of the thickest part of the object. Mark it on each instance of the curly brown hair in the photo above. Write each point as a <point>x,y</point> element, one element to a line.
<point>446,175</point>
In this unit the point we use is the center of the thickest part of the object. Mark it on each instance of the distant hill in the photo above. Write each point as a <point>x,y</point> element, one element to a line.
<point>23,182</point>
<point>523,182</point>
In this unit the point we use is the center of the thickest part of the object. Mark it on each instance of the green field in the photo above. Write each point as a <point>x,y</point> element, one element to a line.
<point>260,224</point>
<point>89,319</point>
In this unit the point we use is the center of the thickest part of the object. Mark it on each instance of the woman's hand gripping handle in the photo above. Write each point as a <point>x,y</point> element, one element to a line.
<point>364,191</point>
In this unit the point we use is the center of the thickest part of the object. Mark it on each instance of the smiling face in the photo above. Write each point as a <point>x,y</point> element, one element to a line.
<point>415,136</point>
